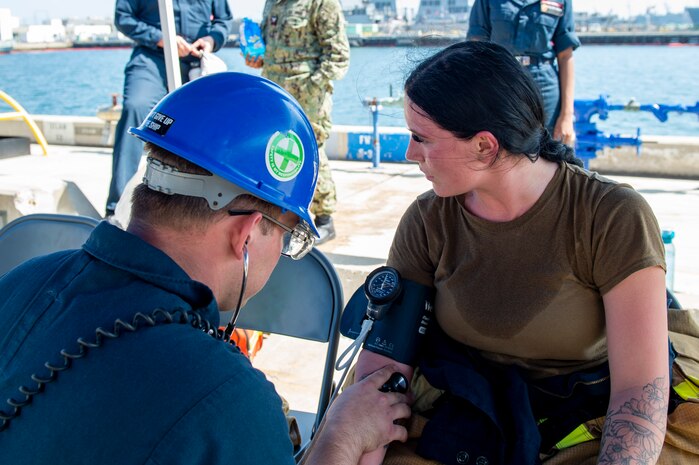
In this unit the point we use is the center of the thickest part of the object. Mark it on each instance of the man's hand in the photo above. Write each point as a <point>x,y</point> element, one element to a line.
<point>184,48</point>
<point>564,131</point>
<point>254,62</point>
<point>202,45</point>
<point>361,419</point>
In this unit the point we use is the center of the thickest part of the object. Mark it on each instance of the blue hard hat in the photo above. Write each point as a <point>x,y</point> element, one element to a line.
<point>244,129</point>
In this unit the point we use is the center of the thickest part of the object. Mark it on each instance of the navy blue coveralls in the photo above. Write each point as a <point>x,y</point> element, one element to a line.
<point>164,394</point>
<point>535,31</point>
<point>145,80</point>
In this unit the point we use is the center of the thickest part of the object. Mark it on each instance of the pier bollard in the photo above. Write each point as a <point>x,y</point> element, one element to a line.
<point>375,108</point>
<point>375,105</point>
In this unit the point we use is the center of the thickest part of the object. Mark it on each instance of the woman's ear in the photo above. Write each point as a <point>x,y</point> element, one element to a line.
<point>487,146</point>
<point>241,230</point>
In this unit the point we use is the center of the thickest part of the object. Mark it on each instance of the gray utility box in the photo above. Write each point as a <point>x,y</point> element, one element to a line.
<point>14,146</point>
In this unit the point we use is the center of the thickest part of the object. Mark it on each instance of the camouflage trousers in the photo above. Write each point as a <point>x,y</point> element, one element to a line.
<point>316,101</point>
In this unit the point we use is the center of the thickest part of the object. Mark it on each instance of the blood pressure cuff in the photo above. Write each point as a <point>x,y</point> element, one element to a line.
<point>399,335</point>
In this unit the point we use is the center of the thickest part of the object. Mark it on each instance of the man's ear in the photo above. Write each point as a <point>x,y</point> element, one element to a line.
<point>487,146</point>
<point>240,230</point>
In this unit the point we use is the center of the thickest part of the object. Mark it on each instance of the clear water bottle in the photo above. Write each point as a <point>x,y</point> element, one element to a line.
<point>668,236</point>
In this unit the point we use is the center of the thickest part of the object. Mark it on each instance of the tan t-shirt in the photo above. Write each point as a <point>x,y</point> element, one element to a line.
<point>529,291</point>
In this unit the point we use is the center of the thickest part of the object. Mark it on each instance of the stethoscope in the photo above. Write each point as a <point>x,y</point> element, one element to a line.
<point>230,327</point>
<point>382,287</point>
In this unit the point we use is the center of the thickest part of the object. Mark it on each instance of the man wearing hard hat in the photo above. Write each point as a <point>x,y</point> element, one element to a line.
<point>112,353</point>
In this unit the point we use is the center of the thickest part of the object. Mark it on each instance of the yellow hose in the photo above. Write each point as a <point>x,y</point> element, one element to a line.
<point>21,113</point>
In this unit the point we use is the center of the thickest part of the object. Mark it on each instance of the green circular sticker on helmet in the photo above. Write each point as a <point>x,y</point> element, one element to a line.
<point>284,155</point>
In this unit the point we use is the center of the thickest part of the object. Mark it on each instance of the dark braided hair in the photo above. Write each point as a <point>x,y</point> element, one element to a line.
<point>479,86</point>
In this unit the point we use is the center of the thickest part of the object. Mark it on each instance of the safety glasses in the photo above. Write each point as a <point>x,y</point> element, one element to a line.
<point>297,242</point>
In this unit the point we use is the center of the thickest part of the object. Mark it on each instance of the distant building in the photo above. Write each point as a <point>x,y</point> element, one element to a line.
<point>373,18</point>
<point>385,7</point>
<point>594,22</point>
<point>443,11</point>
<point>694,15</point>
<point>92,32</point>
<point>39,33</point>
<point>7,24</point>
<point>372,12</point>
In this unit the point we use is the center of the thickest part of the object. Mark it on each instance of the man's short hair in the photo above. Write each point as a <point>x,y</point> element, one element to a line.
<point>182,211</point>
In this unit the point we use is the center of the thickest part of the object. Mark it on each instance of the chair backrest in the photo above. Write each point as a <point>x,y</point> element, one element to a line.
<point>303,298</point>
<point>40,234</point>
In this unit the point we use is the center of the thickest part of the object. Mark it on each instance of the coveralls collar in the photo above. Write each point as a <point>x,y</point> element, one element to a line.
<point>150,264</point>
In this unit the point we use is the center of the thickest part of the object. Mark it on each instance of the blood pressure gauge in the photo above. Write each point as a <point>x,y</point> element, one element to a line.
<point>382,286</point>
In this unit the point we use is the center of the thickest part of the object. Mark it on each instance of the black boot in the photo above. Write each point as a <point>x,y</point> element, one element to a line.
<point>325,227</point>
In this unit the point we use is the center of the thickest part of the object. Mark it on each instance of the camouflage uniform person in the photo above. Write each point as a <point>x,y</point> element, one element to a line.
<point>307,49</point>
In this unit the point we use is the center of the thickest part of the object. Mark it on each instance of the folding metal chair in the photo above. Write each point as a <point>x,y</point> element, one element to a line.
<point>40,234</point>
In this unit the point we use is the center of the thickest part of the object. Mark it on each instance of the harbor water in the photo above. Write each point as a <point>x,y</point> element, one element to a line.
<point>79,81</point>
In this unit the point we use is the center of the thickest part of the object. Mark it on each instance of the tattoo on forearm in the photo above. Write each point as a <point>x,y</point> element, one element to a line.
<point>634,433</point>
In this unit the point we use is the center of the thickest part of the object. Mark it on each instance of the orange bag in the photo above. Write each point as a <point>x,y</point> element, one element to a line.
<point>248,341</point>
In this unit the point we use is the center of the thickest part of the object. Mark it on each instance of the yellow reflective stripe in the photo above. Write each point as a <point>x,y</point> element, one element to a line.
<point>577,436</point>
<point>688,389</point>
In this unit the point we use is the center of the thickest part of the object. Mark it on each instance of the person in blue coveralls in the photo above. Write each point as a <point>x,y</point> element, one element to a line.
<point>541,34</point>
<point>201,26</point>
<point>112,353</point>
